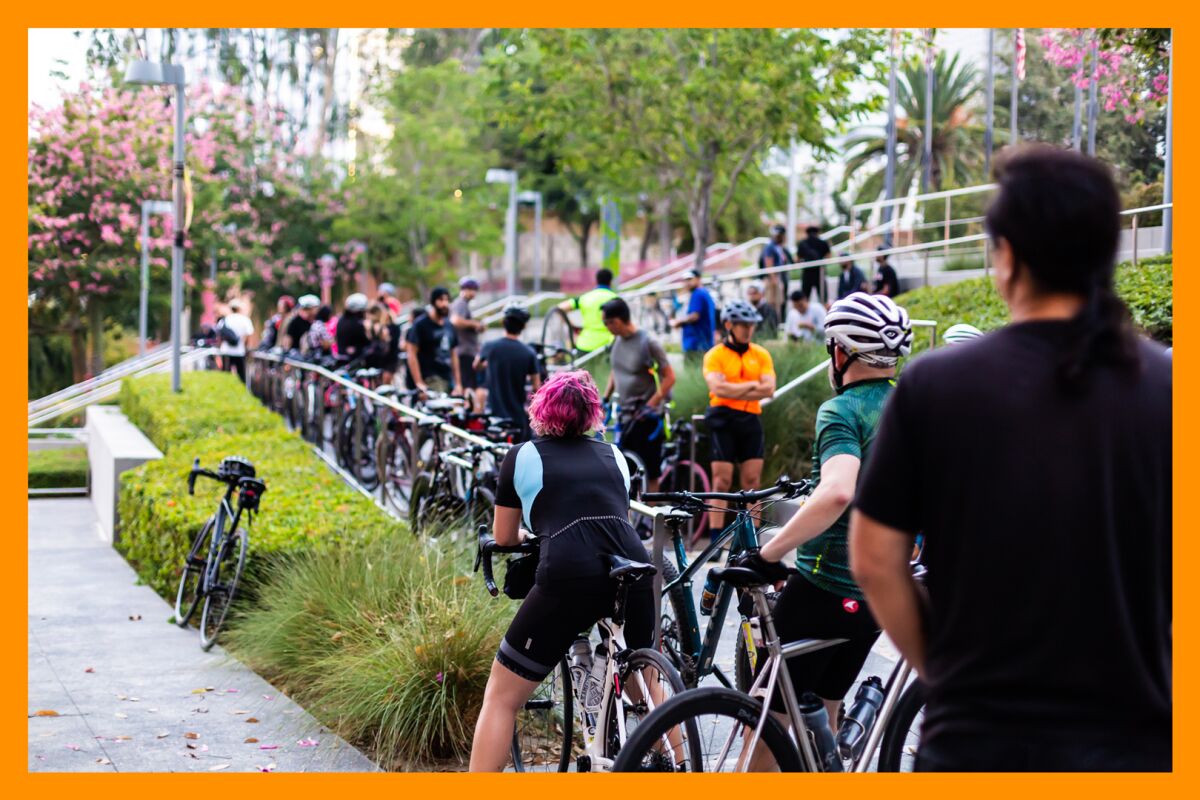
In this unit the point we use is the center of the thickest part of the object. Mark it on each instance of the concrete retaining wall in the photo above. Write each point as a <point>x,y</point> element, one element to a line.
<point>114,445</point>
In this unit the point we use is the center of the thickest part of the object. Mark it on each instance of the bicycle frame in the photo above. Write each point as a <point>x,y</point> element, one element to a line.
<point>225,513</point>
<point>744,536</point>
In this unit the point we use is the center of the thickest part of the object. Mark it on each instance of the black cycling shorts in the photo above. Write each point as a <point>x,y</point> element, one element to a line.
<point>644,436</point>
<point>466,371</point>
<point>736,436</point>
<point>548,622</point>
<point>806,611</point>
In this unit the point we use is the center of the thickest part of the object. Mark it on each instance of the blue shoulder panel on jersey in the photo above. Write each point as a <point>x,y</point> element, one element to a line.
<point>527,479</point>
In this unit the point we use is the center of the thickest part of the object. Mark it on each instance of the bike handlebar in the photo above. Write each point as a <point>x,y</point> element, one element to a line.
<point>199,472</point>
<point>784,487</point>
<point>487,547</point>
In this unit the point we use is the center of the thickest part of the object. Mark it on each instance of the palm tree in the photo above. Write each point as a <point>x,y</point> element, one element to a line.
<point>956,152</point>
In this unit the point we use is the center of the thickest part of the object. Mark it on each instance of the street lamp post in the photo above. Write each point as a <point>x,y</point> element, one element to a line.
<point>148,207</point>
<point>149,73</point>
<point>509,177</point>
<point>327,263</point>
<point>536,199</point>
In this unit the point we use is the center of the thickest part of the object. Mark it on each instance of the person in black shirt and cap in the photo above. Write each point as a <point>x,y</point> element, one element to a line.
<point>886,281</point>
<point>813,248</point>
<point>433,348</point>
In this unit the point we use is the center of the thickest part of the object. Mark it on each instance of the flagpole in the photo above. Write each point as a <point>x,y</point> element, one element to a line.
<point>889,175</point>
<point>927,175</point>
<point>1016,86</point>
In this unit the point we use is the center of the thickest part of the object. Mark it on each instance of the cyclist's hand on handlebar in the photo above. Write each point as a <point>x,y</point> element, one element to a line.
<point>456,391</point>
<point>773,571</point>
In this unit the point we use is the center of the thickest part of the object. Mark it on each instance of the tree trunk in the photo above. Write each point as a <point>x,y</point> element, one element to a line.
<point>647,232</point>
<point>663,210</point>
<point>699,208</point>
<point>78,354</point>
<point>96,335</point>
<point>330,65</point>
<point>583,243</point>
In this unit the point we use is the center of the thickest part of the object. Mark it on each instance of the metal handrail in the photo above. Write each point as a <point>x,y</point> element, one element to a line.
<point>985,187</point>
<point>673,266</point>
<point>1144,209</point>
<point>132,364</point>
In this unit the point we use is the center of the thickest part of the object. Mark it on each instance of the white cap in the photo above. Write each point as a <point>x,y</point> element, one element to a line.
<point>356,302</point>
<point>308,301</point>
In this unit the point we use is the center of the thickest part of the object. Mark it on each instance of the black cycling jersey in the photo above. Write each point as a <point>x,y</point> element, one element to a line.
<point>573,494</point>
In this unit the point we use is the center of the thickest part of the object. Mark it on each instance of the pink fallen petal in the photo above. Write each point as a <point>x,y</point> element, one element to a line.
<point>268,697</point>
<point>73,747</point>
<point>267,768</point>
<point>308,743</point>
<point>268,747</point>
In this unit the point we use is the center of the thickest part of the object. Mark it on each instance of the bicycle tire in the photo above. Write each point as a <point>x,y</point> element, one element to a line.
<point>610,743</point>
<point>187,596</point>
<point>676,478</point>
<point>483,507</point>
<point>899,725</point>
<point>544,731</point>
<point>702,712</point>
<point>394,457</point>
<point>362,449</point>
<point>219,598</point>
<point>671,643</point>
<point>558,333</point>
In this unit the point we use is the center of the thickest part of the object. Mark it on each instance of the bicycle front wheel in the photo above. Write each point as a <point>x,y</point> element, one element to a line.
<point>707,730</point>
<point>545,725</point>
<point>187,597</point>
<point>898,750</point>
<point>558,340</point>
<point>647,680</point>
<point>217,601</point>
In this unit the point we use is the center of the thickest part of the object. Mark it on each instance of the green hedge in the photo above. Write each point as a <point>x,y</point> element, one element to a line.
<point>306,504</point>
<point>210,404</point>
<point>59,468</point>
<point>1146,288</point>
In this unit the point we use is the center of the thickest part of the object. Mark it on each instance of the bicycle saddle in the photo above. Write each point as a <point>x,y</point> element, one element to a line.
<point>622,569</point>
<point>443,404</point>
<point>384,391</point>
<point>738,577</point>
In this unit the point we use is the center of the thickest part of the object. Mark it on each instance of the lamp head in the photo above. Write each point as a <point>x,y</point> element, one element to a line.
<point>144,73</point>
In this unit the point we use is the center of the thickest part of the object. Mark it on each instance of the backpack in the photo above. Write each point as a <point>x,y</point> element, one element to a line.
<point>228,335</point>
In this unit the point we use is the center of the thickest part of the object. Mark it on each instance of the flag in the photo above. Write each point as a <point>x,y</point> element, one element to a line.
<point>1020,54</point>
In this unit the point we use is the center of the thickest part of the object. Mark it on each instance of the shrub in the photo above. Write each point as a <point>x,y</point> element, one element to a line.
<point>306,504</point>
<point>1146,288</point>
<point>211,403</point>
<point>386,641</point>
<point>58,468</point>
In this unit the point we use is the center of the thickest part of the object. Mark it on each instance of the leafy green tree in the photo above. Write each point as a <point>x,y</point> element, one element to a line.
<point>682,112</point>
<point>422,204</point>
<point>956,132</point>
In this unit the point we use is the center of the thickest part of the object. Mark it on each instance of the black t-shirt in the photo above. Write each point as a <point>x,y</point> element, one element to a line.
<point>509,363</point>
<point>351,335</point>
<point>573,494</point>
<point>296,328</point>
<point>435,342</point>
<point>886,276</point>
<point>812,248</point>
<point>1047,524</point>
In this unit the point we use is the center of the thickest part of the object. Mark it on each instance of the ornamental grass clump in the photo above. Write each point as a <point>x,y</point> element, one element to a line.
<point>387,641</point>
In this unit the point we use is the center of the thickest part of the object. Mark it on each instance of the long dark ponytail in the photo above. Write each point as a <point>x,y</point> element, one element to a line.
<point>1059,211</point>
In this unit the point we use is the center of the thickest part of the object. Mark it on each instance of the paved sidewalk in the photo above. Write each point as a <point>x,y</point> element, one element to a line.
<point>133,693</point>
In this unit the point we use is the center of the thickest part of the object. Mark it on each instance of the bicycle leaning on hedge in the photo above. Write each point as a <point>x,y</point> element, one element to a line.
<point>217,557</point>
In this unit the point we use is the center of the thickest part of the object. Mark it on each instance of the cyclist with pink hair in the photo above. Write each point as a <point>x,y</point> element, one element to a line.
<point>570,490</point>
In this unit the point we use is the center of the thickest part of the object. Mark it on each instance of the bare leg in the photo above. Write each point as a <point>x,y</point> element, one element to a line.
<point>722,480</point>
<point>506,692</point>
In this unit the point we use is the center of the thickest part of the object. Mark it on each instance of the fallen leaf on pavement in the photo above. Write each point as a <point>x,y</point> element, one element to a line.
<point>89,669</point>
<point>135,617</point>
<point>268,697</point>
<point>103,761</point>
<point>162,734</point>
<point>72,747</point>
<point>218,767</point>
<point>267,768</point>
<point>308,743</point>
<point>190,735</point>
<point>252,719</point>
<point>268,747</point>
<point>191,746</point>
<point>122,697</point>
<point>119,715</point>
<point>122,738</point>
<point>231,691</point>
<point>46,713</point>
<point>240,711</point>
<point>251,740</point>
<point>199,691</point>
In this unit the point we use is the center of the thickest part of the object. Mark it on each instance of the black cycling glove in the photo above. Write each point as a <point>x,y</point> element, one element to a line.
<point>771,570</point>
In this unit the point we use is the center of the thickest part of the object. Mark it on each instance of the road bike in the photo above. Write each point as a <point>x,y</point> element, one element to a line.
<point>694,654</point>
<point>737,731</point>
<point>214,563</point>
<point>608,690</point>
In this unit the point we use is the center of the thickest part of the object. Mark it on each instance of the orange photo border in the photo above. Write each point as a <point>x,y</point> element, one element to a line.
<point>613,13</point>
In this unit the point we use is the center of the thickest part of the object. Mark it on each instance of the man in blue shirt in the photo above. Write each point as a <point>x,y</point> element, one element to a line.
<point>699,321</point>
<point>851,280</point>
<point>774,254</point>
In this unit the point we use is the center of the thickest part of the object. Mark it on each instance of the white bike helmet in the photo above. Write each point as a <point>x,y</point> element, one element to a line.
<point>309,301</point>
<point>356,302</point>
<point>962,332</point>
<point>740,311</point>
<point>869,328</point>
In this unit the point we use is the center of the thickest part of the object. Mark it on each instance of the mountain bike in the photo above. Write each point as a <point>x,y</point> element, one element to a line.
<point>609,690</point>
<point>738,732</point>
<point>692,654</point>
<point>558,340</point>
<point>355,430</point>
<point>214,563</point>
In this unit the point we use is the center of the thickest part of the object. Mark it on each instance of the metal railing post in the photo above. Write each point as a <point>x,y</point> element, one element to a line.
<point>927,267</point>
<point>946,235</point>
<point>660,538</point>
<point>696,420</point>
<point>1135,231</point>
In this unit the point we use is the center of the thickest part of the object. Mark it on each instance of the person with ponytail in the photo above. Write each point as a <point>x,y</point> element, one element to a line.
<point>1036,462</point>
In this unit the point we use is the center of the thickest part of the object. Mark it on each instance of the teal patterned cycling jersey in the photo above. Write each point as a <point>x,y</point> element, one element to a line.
<point>845,425</point>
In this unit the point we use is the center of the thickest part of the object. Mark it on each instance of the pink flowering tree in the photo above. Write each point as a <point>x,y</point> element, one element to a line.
<point>96,157</point>
<point>1130,76</point>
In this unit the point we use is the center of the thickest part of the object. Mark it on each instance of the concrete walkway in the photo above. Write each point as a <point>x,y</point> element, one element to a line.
<point>130,692</point>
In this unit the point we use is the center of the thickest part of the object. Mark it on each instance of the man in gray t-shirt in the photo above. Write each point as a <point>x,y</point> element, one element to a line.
<point>636,361</point>
<point>468,331</point>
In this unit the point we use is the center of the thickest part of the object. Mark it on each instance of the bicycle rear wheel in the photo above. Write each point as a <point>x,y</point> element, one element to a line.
<point>901,737</point>
<point>362,448</point>
<point>647,681</point>
<point>544,731</point>
<point>187,597</point>
<point>393,457</point>
<point>230,563</point>
<point>675,643</point>
<point>558,334</point>
<point>705,730</point>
